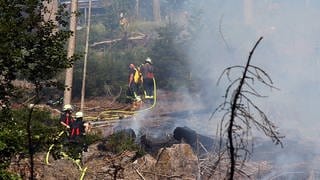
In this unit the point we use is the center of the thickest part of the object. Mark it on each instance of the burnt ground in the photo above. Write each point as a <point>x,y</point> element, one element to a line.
<point>167,102</point>
<point>156,127</point>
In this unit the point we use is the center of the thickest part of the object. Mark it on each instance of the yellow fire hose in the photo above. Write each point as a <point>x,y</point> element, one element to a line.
<point>126,113</point>
<point>65,156</point>
<point>50,148</point>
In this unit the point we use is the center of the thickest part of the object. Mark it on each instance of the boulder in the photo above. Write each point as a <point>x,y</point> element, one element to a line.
<point>179,161</point>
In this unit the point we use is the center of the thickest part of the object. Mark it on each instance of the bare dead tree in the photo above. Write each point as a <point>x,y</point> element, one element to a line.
<point>241,114</point>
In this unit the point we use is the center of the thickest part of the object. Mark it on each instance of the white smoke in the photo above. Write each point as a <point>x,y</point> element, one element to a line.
<point>289,53</point>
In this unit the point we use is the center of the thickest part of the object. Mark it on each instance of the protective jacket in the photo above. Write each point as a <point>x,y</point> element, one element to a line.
<point>147,71</point>
<point>66,118</point>
<point>77,128</point>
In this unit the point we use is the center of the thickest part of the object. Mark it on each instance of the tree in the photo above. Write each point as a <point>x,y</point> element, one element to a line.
<point>32,48</point>
<point>113,10</point>
<point>241,114</point>
<point>170,61</point>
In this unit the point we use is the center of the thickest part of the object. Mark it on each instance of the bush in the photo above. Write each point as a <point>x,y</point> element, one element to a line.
<point>121,141</point>
<point>7,175</point>
<point>13,134</point>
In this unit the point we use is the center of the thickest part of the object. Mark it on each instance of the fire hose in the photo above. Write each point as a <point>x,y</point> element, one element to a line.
<point>65,156</point>
<point>114,117</point>
<point>114,114</point>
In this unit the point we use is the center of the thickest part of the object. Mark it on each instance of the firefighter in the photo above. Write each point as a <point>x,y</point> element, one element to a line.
<point>148,77</point>
<point>133,82</point>
<point>66,116</point>
<point>77,136</point>
<point>123,23</point>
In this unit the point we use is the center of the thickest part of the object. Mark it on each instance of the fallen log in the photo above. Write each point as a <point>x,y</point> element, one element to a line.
<point>200,143</point>
<point>139,36</point>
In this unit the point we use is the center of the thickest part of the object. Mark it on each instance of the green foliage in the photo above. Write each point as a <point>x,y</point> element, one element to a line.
<point>169,58</point>
<point>32,47</point>
<point>92,138</point>
<point>107,69</point>
<point>121,141</point>
<point>13,136</point>
<point>111,19</point>
<point>7,175</point>
<point>98,32</point>
<point>28,47</point>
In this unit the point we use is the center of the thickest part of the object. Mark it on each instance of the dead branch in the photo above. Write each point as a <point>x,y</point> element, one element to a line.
<point>220,31</point>
<point>163,175</point>
<point>203,147</point>
<point>141,176</point>
<point>239,118</point>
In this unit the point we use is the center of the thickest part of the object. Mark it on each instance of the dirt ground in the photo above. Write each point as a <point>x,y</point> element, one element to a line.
<point>166,102</point>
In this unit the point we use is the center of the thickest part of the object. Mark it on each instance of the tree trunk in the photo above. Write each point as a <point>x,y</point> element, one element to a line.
<point>138,9</point>
<point>52,6</point>
<point>234,107</point>
<point>156,10</point>
<point>30,145</point>
<point>83,88</point>
<point>71,49</point>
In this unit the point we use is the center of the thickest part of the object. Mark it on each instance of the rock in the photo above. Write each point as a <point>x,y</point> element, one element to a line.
<point>175,162</point>
<point>178,160</point>
<point>59,169</point>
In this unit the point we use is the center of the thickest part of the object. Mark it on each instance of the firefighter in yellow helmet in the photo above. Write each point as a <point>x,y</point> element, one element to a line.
<point>134,82</point>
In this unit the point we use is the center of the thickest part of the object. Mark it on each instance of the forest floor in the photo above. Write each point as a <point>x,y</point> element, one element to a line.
<point>166,102</point>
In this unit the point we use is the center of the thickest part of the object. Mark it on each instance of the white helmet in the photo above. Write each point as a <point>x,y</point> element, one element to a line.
<point>67,107</point>
<point>148,60</point>
<point>79,114</point>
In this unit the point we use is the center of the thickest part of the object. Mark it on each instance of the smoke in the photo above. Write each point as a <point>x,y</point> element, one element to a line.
<point>289,53</point>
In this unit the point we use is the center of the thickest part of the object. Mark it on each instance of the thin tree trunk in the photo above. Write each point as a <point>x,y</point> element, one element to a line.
<point>83,89</point>
<point>233,114</point>
<point>30,144</point>
<point>29,130</point>
<point>156,10</point>
<point>138,9</point>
